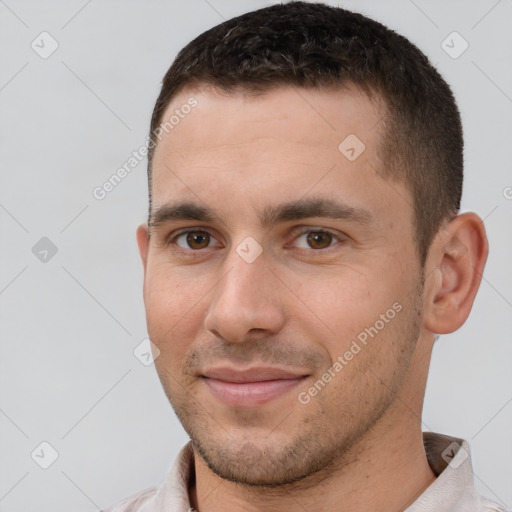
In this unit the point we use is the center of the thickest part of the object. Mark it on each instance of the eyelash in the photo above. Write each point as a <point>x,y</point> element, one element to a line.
<point>171,240</point>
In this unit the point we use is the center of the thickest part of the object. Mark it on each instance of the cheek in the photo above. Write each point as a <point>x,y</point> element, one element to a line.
<point>172,309</point>
<point>336,296</point>
<point>346,306</point>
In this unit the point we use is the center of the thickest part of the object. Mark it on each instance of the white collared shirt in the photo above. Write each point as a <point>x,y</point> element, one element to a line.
<point>449,458</point>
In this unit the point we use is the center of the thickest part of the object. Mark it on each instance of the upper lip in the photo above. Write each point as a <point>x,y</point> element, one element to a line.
<point>255,374</point>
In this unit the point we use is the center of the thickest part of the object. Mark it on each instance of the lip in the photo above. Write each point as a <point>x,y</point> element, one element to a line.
<point>250,387</point>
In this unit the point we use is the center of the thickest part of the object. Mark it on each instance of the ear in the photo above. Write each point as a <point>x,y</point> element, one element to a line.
<point>143,243</point>
<point>453,272</point>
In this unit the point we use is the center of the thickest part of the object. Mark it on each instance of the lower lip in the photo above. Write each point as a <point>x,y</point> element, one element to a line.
<point>249,394</point>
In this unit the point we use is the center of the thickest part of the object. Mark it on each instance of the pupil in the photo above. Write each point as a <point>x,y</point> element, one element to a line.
<point>316,239</point>
<point>196,238</point>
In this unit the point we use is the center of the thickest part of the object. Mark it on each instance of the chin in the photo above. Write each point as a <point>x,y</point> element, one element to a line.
<point>265,461</point>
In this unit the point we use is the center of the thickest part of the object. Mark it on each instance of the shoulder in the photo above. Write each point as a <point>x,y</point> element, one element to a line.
<point>140,502</point>
<point>486,505</point>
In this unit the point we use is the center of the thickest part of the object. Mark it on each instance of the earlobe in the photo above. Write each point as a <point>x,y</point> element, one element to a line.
<point>458,255</point>
<point>143,243</point>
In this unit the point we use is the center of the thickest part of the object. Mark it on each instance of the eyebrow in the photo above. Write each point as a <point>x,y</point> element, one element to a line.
<point>294,210</point>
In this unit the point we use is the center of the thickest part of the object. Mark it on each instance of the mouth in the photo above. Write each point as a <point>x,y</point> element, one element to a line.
<point>250,387</point>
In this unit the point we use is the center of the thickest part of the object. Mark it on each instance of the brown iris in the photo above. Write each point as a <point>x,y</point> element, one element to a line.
<point>198,239</point>
<point>319,239</point>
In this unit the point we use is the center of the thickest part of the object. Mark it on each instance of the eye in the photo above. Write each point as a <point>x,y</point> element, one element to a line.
<point>193,240</point>
<point>317,239</point>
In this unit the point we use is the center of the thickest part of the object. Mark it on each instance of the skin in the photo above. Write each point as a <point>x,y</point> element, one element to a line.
<point>300,304</point>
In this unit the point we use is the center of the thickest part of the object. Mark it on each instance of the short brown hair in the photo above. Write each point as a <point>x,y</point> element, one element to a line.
<point>314,45</point>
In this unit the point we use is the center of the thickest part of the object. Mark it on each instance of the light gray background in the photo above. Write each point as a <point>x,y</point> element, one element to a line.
<point>69,326</point>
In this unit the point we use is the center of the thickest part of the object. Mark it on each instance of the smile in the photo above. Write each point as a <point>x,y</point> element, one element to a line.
<point>250,388</point>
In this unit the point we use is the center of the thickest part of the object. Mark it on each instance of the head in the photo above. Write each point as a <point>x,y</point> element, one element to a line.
<point>303,220</point>
<point>325,47</point>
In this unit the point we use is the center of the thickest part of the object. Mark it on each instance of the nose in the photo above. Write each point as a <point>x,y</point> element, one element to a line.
<point>246,301</point>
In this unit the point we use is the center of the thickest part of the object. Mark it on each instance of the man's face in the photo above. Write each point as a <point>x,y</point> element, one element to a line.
<point>250,317</point>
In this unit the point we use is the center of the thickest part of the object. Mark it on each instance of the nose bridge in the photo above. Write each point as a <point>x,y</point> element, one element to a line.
<point>243,299</point>
<point>244,281</point>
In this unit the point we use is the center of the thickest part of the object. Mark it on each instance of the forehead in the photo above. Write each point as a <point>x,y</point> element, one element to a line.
<point>311,115</point>
<point>254,149</point>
